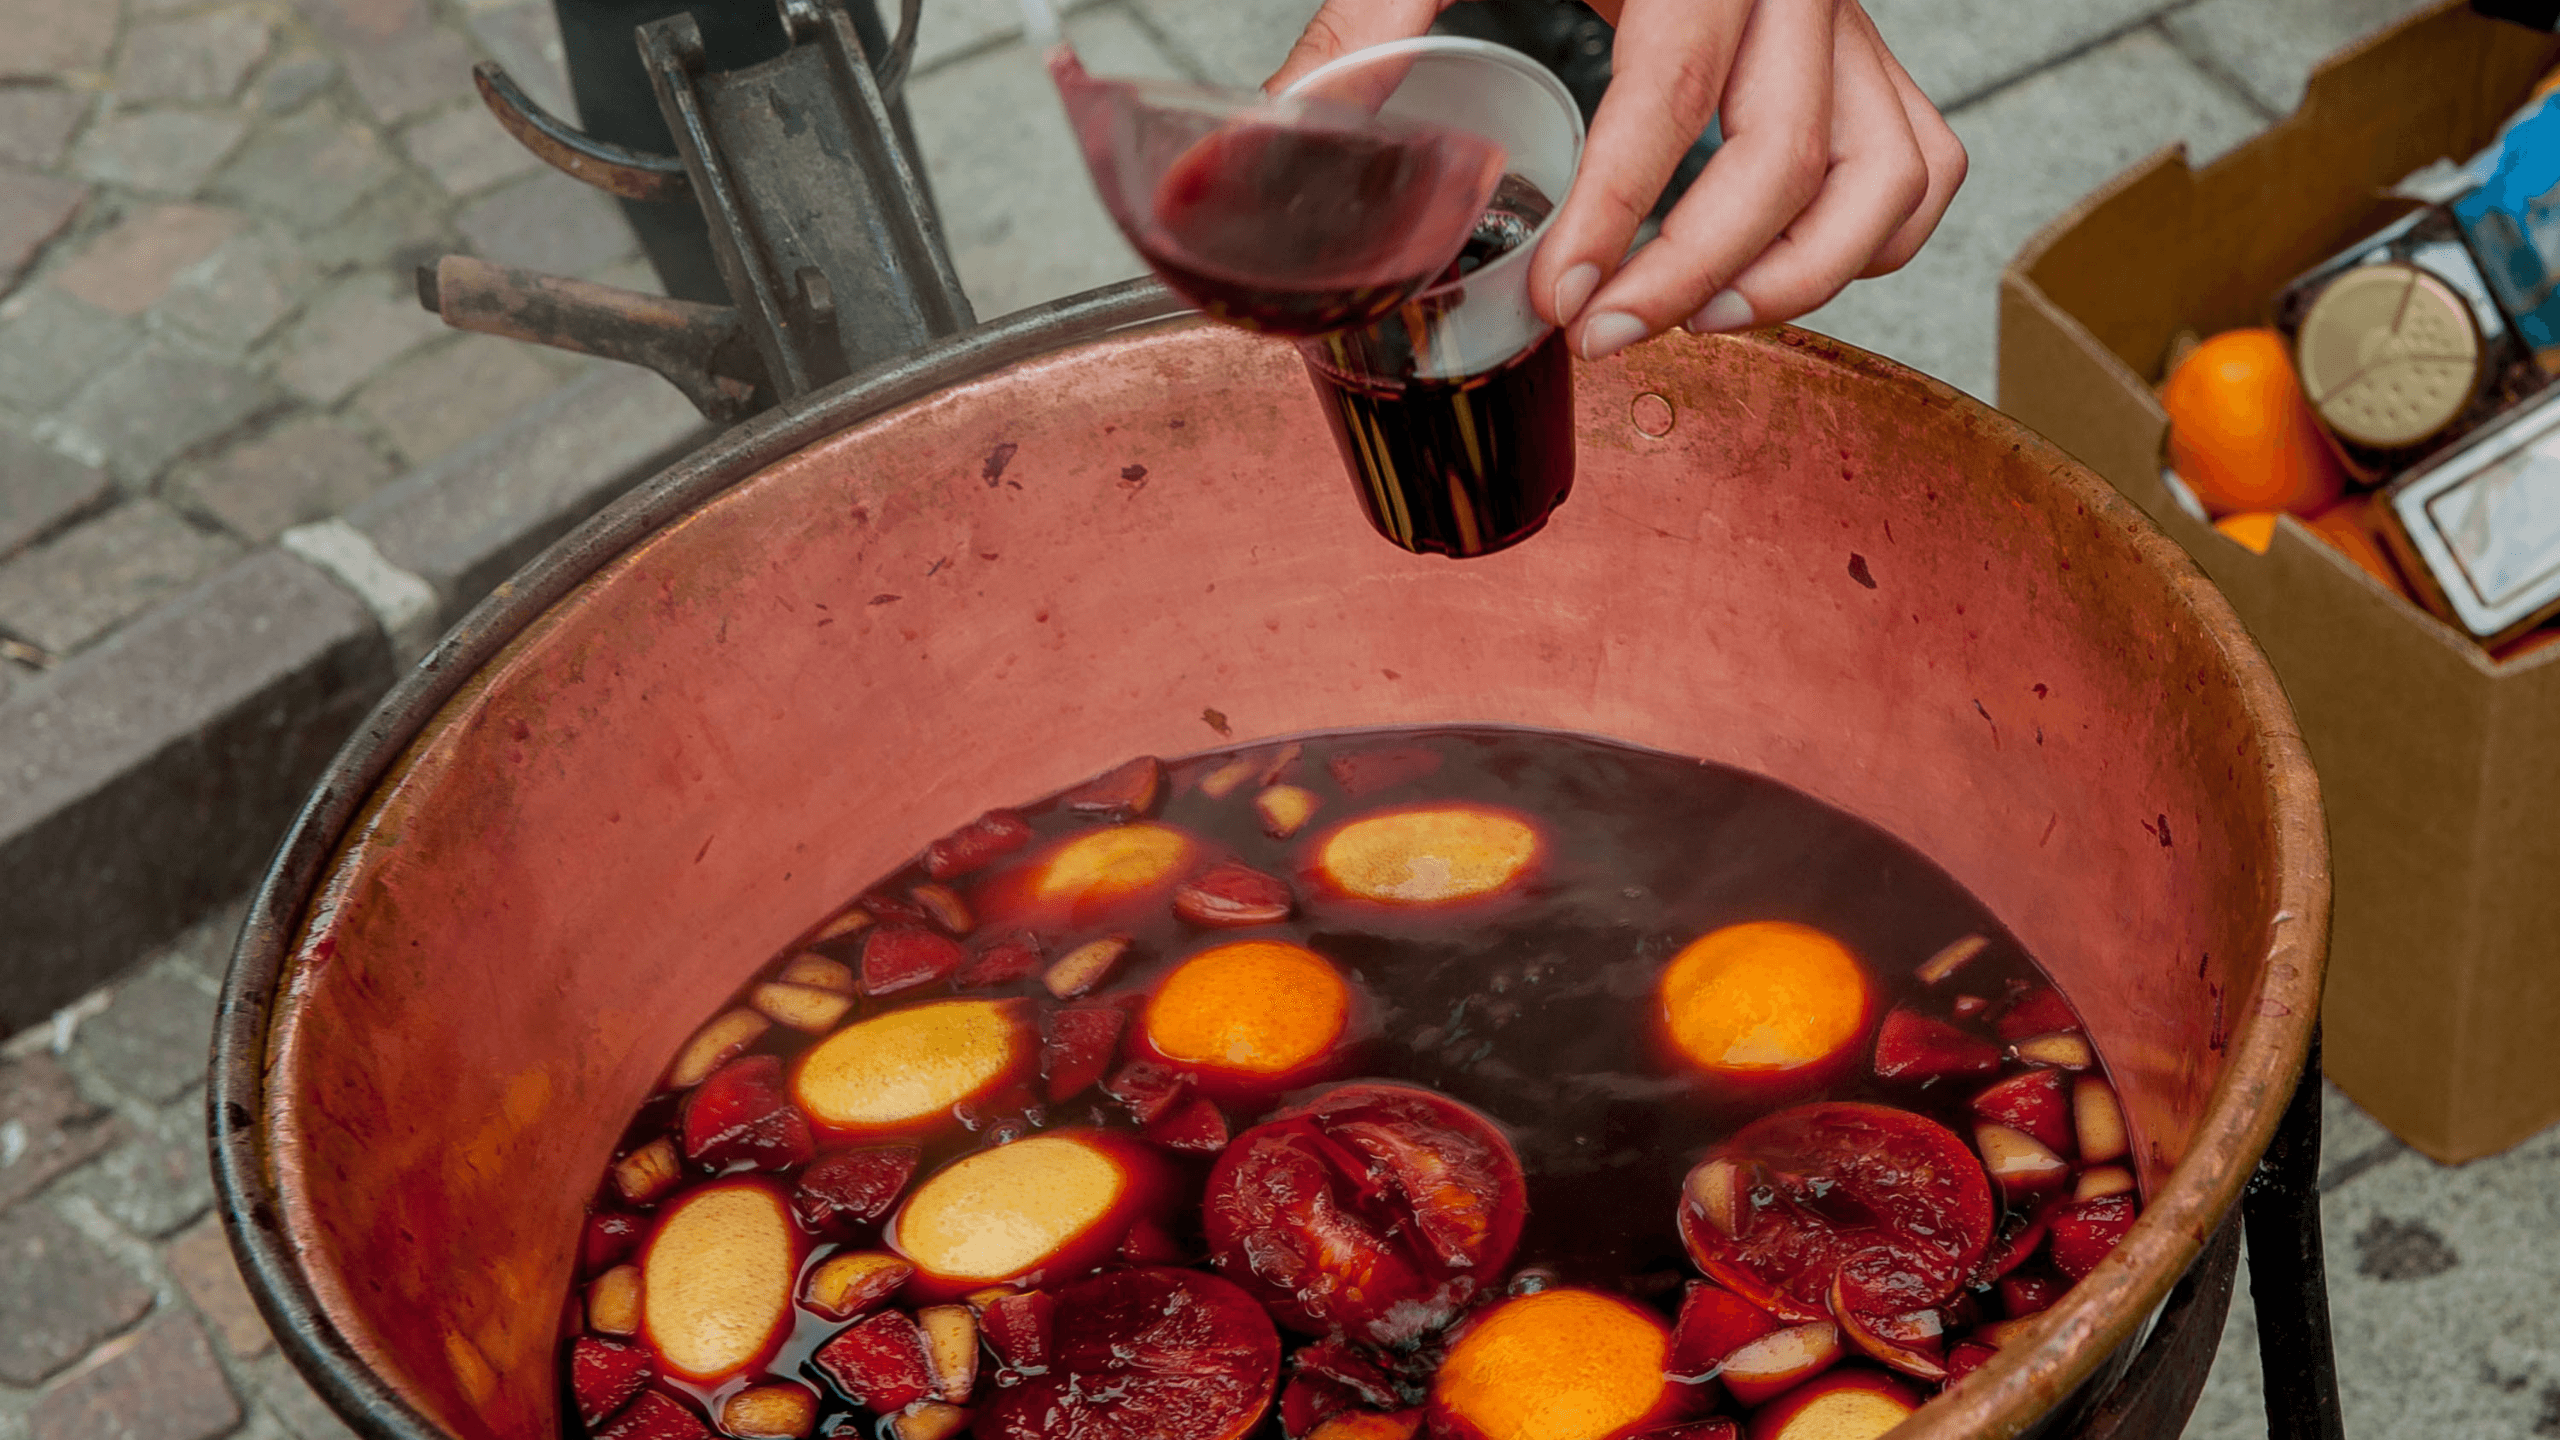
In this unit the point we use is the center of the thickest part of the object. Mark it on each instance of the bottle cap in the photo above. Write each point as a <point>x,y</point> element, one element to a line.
<point>2389,355</point>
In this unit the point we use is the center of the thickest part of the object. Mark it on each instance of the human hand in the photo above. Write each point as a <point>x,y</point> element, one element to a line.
<point>1834,166</point>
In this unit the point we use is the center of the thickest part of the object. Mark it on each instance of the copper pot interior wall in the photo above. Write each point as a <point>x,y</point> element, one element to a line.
<point>1780,554</point>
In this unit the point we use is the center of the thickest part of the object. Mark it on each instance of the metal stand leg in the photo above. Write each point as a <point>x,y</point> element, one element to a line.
<point>2287,1281</point>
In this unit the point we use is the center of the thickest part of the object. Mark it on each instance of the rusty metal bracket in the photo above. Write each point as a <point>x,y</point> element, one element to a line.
<point>702,350</point>
<point>614,169</point>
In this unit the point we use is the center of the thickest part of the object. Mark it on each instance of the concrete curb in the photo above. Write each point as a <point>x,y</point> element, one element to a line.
<point>146,781</point>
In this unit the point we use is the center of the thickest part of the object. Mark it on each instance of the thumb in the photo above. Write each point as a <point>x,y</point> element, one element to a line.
<point>1343,26</point>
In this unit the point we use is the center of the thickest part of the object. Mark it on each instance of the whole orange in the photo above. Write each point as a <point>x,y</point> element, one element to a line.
<point>2240,433</point>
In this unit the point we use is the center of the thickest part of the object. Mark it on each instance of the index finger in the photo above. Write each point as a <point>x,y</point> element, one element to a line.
<point>1343,26</point>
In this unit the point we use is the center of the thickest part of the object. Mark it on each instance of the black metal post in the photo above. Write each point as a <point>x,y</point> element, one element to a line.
<point>2287,1280</point>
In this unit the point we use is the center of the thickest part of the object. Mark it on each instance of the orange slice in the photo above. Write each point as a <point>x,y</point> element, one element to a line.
<point>1254,1010</point>
<point>1034,1212</point>
<point>1561,1364</point>
<point>903,1070</point>
<point>1429,854</point>
<point>1766,999</point>
<point>715,1283</point>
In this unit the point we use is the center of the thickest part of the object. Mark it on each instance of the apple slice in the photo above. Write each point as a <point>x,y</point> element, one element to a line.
<point>610,1238</point>
<point>2085,1231</point>
<point>806,1008</point>
<point>1918,1049</point>
<point>1715,1188</point>
<point>741,1116</point>
<point>898,958</point>
<point>2021,1167</point>
<point>1147,1089</point>
<point>976,845</point>
<point>2033,1102</point>
<point>853,920</point>
<point>1016,1325</point>
<point>1232,896</point>
<point>1844,1405</point>
<point>1002,959</point>
<point>716,1280</point>
<point>1125,793</point>
<point>1285,809</point>
<point>778,1410</point>
<point>1077,1043</point>
<point>1939,967</point>
<point>950,1349</point>
<point>604,1375</point>
<point>817,972</point>
<point>853,1187</point>
<point>1968,1007</point>
<point>715,1045</point>
<point>2058,1049</point>
<point>852,1282</point>
<point>1193,1128</point>
<point>1714,1322</point>
<point>944,907</point>
<point>928,1420</point>
<point>646,1175</point>
<point>2023,1294</point>
<point>2037,1011</point>
<point>1037,1210</point>
<point>655,1416</point>
<point>1428,854</point>
<point>902,1071</point>
<point>1085,967</point>
<point>878,1362</point>
<point>1149,1354</point>
<point>1780,1360</point>
<point>613,1301</point>
<point>2100,1181</point>
<point>1966,1357</point>
<point>1224,781</point>
<point>2099,1120</point>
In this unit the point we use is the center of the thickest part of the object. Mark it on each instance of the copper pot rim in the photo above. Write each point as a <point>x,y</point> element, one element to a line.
<point>2025,1380</point>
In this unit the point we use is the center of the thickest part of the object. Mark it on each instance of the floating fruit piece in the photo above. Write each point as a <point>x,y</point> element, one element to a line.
<point>2023,1295</point>
<point>2062,1050</point>
<point>1148,1090</point>
<point>2099,1121</point>
<point>1828,1180</point>
<point>1937,968</point>
<point>780,1410</point>
<point>1077,1043</point>
<point>878,1362</point>
<point>817,972</point>
<point>1001,960</point>
<point>976,845</point>
<point>1366,772</point>
<point>2036,1012</point>
<point>2240,433</point>
<point>2032,1102</point>
<point>1918,1049</point>
<point>1377,1210</point>
<point>902,957</point>
<point>1714,1427</point>
<point>1017,1327</point>
<point>1967,1357</point>
<point>613,1301</point>
<point>2017,1163</point>
<point>806,1008</point>
<point>610,1237</point>
<point>648,1173</point>
<point>944,906</point>
<point>1780,1361</point>
<point>1030,1212</point>
<point>1714,1322</point>
<point>1338,1361</point>
<point>715,1281</point>
<point>1085,967</point>
<point>1880,1308</point>
<point>1123,793</point>
<point>2101,1181</point>
<point>1195,1127</point>
<point>950,1349</point>
<point>852,920</point>
<point>2251,530</point>
<point>1562,1364</point>
<point>1285,809</point>
<point>1232,896</point>
<point>654,1416</point>
<point>715,1045</point>
<point>1369,1425</point>
<point>903,1070</point>
<point>2085,1231</point>
<point>1250,1015</point>
<point>1843,1405</point>
<point>1087,876</point>
<point>1224,781</point>
<point>853,1282</point>
<point>895,910</point>
<point>2021,1232</point>
<point>1967,1007</point>
<point>1765,1000</point>
<point>928,1420</point>
<point>1428,855</point>
<point>1149,1354</point>
<point>604,1375</point>
<point>740,1115</point>
<point>853,1187</point>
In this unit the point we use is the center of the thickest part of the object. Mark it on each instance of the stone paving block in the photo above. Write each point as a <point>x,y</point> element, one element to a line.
<point>49,38</point>
<point>33,209</point>
<point>59,1295</point>
<point>152,1184</point>
<point>523,36</point>
<point>291,81</point>
<point>46,1128</point>
<point>159,1383</point>
<point>234,296</point>
<point>307,469</point>
<point>1958,49</point>
<point>307,170</point>
<point>202,1264</point>
<point>36,121</point>
<point>127,269</point>
<point>432,402</point>
<point>350,333</point>
<point>206,944</point>
<point>2037,147</point>
<point>954,27</point>
<point>1232,44</point>
<point>41,490</point>
<point>50,342</point>
<point>148,779</point>
<point>467,150</point>
<point>159,152</point>
<point>403,221</point>
<point>305,1416</point>
<point>200,58</point>
<point>1018,209</point>
<point>84,582</point>
<point>2270,46</point>
<point>549,223</point>
<point>150,1042</point>
<point>154,405</point>
<point>476,516</point>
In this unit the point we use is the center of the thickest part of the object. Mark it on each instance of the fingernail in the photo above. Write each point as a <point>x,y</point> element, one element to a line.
<point>1573,290</point>
<point>1727,311</point>
<point>1609,332</point>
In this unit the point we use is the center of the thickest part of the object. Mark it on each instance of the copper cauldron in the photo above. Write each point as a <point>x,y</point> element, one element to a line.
<point>1090,531</point>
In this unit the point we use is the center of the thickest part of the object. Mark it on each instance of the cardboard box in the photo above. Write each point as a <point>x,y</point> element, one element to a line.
<point>2441,769</point>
